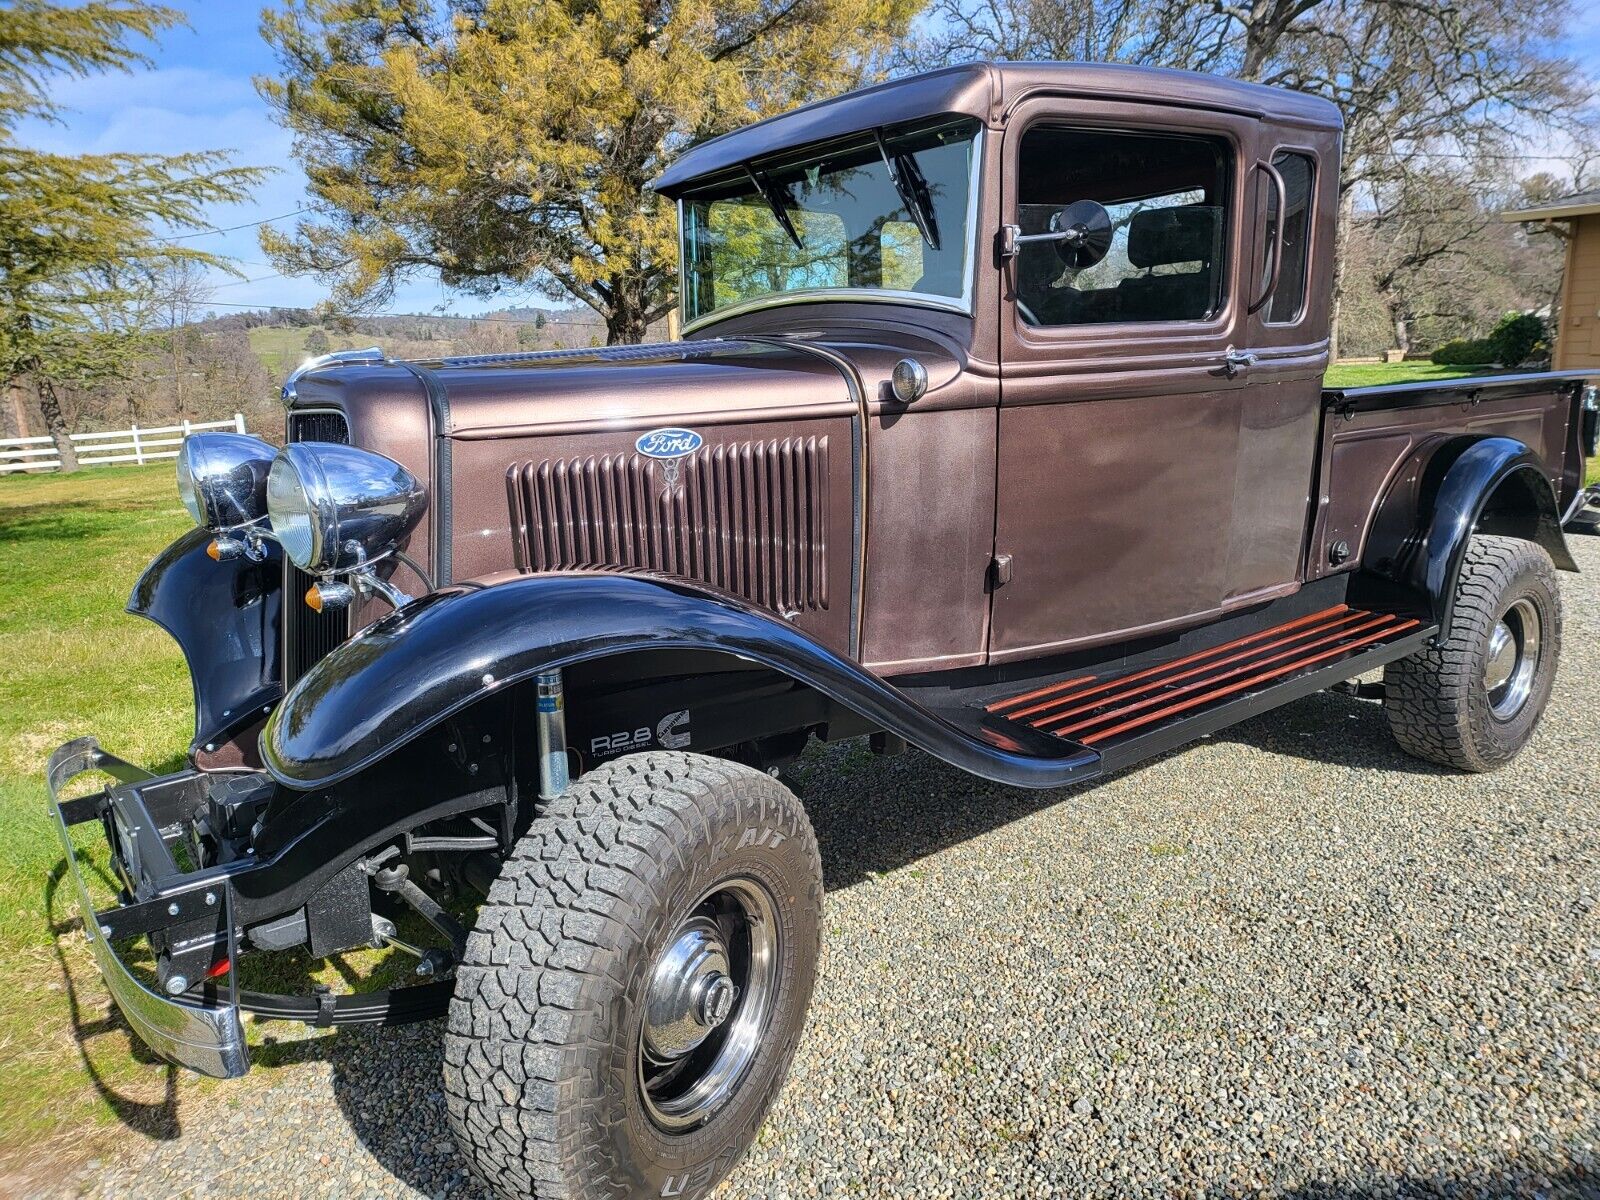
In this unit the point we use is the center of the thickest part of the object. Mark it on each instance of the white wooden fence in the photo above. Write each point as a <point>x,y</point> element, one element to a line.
<point>133,445</point>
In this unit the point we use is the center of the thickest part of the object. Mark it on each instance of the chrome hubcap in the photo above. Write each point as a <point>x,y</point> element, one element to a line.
<point>690,992</point>
<point>708,1005</point>
<point>1513,659</point>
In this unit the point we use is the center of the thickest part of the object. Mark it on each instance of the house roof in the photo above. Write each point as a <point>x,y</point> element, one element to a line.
<point>1579,204</point>
<point>986,90</point>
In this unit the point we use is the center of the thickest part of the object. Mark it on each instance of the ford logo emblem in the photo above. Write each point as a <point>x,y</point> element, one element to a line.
<point>668,443</point>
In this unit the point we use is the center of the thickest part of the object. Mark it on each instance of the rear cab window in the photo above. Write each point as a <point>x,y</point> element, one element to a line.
<point>1298,173</point>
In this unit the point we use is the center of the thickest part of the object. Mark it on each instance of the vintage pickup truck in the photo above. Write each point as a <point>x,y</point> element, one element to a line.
<point>997,431</point>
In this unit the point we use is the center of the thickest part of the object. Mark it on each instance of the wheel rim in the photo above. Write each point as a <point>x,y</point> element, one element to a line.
<point>708,1005</point>
<point>1513,659</point>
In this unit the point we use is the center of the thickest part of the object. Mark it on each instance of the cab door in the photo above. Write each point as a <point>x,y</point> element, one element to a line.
<point>1127,469</point>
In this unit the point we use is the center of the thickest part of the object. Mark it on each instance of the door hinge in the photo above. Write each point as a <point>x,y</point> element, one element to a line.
<point>999,571</point>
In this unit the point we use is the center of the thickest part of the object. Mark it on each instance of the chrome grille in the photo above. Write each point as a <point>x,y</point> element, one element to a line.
<point>309,635</point>
<point>748,517</point>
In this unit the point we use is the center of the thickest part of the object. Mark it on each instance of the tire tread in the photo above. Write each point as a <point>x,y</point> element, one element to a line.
<point>1431,698</point>
<point>530,1012</point>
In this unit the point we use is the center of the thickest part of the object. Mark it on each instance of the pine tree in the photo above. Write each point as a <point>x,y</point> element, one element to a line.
<point>511,142</point>
<point>80,233</point>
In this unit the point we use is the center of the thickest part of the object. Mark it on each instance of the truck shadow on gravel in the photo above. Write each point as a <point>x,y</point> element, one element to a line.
<point>387,1086</point>
<point>156,1119</point>
<point>1330,728</point>
<point>875,815</point>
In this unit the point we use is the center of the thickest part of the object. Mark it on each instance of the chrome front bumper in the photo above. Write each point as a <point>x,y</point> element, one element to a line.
<point>207,1038</point>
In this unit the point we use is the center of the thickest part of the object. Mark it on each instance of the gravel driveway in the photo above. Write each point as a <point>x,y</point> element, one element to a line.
<point>1285,961</point>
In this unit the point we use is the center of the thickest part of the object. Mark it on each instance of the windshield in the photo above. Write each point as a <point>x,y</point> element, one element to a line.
<point>888,212</point>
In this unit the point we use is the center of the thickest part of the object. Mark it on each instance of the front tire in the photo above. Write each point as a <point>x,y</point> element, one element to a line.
<point>1472,700</point>
<point>635,988</point>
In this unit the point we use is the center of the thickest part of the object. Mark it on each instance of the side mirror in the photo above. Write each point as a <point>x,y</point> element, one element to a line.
<point>1082,233</point>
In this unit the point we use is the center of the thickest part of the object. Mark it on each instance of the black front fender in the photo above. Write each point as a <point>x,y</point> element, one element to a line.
<point>224,617</point>
<point>1463,486</point>
<point>412,669</point>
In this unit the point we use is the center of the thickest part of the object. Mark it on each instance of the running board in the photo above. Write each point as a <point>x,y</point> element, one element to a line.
<point>1132,716</point>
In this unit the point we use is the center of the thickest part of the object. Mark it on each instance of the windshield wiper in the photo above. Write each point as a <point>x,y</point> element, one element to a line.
<point>912,186</point>
<point>778,200</point>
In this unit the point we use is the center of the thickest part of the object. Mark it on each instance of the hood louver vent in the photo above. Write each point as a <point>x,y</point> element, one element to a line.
<point>750,518</point>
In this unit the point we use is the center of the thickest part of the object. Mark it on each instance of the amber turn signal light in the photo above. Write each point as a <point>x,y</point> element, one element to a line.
<point>320,596</point>
<point>214,551</point>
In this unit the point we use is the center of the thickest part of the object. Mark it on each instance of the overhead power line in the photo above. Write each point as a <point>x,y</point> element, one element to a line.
<point>257,279</point>
<point>183,237</point>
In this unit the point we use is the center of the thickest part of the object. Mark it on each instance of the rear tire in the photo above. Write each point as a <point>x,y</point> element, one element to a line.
<point>1473,700</point>
<point>633,993</point>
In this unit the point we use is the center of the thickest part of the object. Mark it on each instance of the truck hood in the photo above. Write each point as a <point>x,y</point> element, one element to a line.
<point>670,383</point>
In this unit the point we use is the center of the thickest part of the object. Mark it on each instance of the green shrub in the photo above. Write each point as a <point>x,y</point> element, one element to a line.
<point>1466,352</point>
<point>1515,337</point>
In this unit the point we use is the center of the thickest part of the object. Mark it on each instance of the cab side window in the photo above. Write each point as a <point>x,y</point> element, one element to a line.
<point>1166,201</point>
<point>1289,297</point>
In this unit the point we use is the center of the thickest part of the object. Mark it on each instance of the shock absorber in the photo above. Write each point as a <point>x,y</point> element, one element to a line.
<point>552,726</point>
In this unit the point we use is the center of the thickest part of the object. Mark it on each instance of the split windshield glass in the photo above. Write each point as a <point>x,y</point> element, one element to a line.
<point>888,212</point>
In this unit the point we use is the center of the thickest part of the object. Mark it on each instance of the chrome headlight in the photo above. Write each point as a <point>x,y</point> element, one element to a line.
<point>335,507</point>
<point>222,478</point>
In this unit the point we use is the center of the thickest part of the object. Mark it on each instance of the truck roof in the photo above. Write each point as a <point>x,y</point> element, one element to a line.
<point>986,90</point>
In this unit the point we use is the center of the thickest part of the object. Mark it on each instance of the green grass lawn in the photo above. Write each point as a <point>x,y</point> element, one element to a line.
<point>1372,374</point>
<point>71,547</point>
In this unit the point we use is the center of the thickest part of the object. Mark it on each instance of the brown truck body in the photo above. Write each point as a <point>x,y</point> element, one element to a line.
<point>998,430</point>
<point>1135,485</point>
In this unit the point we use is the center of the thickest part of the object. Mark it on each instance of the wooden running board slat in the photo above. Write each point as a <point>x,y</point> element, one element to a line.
<point>1093,710</point>
<point>1339,626</point>
<point>1265,677</point>
<point>1295,653</point>
<point>1004,708</point>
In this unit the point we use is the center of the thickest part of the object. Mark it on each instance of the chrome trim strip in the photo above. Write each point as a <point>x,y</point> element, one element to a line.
<point>205,1038</point>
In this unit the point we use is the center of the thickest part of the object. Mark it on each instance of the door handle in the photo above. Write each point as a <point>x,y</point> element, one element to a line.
<point>1234,362</point>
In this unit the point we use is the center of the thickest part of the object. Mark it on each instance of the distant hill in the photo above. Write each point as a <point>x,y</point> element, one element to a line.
<point>211,369</point>
<point>283,338</point>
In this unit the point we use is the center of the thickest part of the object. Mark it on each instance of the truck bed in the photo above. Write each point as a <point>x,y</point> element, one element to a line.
<point>1371,435</point>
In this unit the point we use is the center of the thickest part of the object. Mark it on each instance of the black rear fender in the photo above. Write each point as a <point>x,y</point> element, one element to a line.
<point>1451,489</point>
<point>462,646</point>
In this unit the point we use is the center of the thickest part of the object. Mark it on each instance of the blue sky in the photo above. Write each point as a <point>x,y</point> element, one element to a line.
<point>199,96</point>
